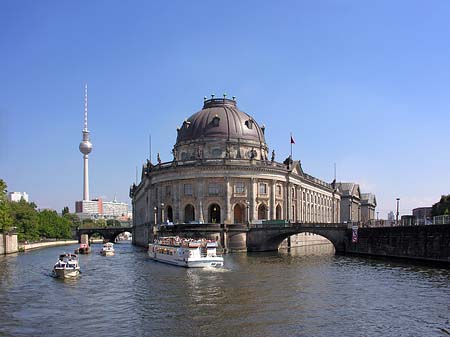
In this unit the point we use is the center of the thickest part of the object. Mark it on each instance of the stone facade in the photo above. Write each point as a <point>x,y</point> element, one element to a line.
<point>221,173</point>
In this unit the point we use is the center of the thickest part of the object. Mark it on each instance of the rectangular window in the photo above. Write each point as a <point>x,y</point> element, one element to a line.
<point>262,188</point>
<point>213,189</point>
<point>187,189</point>
<point>239,188</point>
<point>168,190</point>
<point>279,190</point>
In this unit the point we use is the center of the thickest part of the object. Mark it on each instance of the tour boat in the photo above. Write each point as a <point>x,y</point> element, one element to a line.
<point>190,253</point>
<point>67,266</point>
<point>83,249</point>
<point>107,249</point>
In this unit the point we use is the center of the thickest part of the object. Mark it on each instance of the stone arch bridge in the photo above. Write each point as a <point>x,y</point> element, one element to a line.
<point>261,237</point>
<point>109,233</point>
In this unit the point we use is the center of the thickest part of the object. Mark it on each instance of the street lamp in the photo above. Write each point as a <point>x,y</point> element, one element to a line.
<point>396,218</point>
<point>155,213</point>
<point>248,211</point>
<point>162,212</point>
<point>350,211</point>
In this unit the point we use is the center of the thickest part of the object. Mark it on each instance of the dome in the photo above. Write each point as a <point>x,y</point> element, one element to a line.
<point>220,118</point>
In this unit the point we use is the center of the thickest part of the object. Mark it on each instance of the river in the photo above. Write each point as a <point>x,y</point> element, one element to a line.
<point>305,292</point>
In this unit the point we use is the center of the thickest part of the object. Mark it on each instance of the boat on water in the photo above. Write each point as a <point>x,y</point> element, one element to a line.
<point>83,249</point>
<point>67,266</point>
<point>108,249</point>
<point>183,252</point>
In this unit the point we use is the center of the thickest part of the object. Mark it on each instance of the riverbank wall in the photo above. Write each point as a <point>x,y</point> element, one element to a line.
<point>429,243</point>
<point>8,243</point>
<point>39,245</point>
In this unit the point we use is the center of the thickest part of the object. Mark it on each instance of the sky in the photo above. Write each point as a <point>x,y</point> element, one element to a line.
<point>361,84</point>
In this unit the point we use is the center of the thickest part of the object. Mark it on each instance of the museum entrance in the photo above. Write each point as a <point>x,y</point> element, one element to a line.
<point>214,213</point>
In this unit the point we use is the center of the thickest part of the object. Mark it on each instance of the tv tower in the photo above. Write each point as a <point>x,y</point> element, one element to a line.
<point>85,147</point>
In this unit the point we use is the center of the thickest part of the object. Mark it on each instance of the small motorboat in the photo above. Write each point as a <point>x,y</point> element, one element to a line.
<point>67,266</point>
<point>108,249</point>
<point>83,249</point>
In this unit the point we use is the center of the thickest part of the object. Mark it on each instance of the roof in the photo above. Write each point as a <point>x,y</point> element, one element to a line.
<point>368,199</point>
<point>349,189</point>
<point>220,118</point>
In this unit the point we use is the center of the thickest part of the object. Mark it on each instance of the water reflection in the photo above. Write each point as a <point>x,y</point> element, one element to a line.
<point>306,291</point>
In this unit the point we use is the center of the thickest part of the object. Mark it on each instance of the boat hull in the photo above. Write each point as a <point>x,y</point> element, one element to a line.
<point>107,253</point>
<point>66,273</point>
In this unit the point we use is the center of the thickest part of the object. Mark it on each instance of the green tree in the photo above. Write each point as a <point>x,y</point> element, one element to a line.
<point>6,220</point>
<point>65,211</point>
<point>74,219</point>
<point>442,207</point>
<point>26,219</point>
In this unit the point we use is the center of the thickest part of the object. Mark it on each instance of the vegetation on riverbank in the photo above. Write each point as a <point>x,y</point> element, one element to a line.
<point>32,224</point>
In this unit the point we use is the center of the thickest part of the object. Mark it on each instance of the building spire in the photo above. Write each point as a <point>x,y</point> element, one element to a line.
<point>85,107</point>
<point>85,148</point>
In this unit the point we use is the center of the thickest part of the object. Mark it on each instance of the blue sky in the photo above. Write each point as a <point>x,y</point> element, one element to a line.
<point>363,84</point>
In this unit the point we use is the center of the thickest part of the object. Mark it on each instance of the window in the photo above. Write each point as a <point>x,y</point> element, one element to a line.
<point>239,187</point>
<point>187,189</point>
<point>279,190</point>
<point>249,124</point>
<point>293,193</point>
<point>215,120</point>
<point>216,152</point>
<point>168,190</point>
<point>213,189</point>
<point>262,188</point>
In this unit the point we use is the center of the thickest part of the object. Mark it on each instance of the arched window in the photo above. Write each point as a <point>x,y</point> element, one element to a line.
<point>278,212</point>
<point>169,213</point>
<point>189,213</point>
<point>262,212</point>
<point>214,213</point>
<point>239,213</point>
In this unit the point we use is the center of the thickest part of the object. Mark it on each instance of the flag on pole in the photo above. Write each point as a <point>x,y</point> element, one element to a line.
<point>292,140</point>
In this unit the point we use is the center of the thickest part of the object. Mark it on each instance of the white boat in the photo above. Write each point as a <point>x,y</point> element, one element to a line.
<point>188,253</point>
<point>108,249</point>
<point>67,266</point>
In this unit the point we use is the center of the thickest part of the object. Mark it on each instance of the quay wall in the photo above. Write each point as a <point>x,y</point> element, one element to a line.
<point>425,243</point>
<point>141,235</point>
<point>38,245</point>
<point>8,243</point>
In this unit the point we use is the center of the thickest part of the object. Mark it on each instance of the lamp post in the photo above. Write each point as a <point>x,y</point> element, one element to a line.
<point>162,212</point>
<point>248,211</point>
<point>350,211</point>
<point>396,216</point>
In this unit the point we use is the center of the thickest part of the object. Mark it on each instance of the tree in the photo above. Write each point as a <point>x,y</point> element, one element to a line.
<point>442,207</point>
<point>6,220</point>
<point>65,211</point>
<point>26,220</point>
<point>74,219</point>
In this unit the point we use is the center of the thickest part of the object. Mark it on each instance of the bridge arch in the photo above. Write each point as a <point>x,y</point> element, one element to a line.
<point>270,240</point>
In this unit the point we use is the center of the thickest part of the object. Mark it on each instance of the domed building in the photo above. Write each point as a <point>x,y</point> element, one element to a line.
<point>221,173</point>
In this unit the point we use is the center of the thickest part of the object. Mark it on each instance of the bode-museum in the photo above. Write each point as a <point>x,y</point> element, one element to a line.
<point>224,172</point>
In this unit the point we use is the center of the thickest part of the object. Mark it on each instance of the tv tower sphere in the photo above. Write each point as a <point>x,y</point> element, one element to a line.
<point>85,146</point>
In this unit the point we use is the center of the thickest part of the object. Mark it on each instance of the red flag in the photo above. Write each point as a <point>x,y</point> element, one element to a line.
<point>292,140</point>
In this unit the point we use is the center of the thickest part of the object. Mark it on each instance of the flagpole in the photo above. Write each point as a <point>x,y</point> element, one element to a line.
<point>290,140</point>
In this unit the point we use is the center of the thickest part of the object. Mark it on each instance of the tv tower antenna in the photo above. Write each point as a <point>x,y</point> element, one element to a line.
<point>85,147</point>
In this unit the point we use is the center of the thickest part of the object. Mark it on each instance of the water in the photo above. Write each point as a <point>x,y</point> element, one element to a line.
<point>308,292</point>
